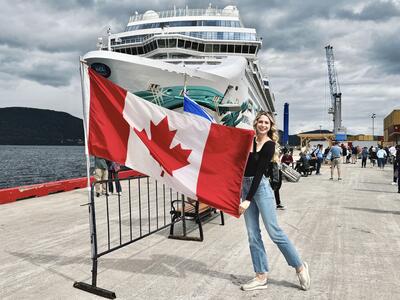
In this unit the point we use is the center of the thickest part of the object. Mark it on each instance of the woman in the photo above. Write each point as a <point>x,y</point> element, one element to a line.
<point>258,199</point>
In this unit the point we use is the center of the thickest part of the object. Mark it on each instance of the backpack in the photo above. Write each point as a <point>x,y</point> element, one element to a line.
<point>274,179</point>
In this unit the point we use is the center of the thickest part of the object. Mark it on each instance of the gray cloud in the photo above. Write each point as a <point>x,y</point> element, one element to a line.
<point>41,41</point>
<point>386,52</point>
<point>373,11</point>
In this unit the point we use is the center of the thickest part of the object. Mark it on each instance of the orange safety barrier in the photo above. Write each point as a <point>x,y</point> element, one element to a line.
<point>37,190</point>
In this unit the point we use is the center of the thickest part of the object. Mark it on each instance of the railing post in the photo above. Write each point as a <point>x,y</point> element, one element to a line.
<point>183,215</point>
<point>92,288</point>
<point>93,236</point>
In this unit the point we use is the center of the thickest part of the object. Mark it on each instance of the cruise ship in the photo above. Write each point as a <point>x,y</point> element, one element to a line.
<point>208,53</point>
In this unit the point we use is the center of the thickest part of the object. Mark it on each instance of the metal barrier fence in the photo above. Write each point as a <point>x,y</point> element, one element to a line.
<point>128,217</point>
<point>144,208</point>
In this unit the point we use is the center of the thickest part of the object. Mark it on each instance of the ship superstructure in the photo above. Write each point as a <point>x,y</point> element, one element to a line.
<point>207,50</point>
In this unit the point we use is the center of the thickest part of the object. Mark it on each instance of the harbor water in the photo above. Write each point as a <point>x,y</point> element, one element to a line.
<point>25,165</point>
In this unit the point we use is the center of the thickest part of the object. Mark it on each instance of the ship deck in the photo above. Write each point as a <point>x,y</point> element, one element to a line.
<point>348,231</point>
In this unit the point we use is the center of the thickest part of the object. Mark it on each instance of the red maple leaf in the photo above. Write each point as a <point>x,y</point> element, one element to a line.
<point>170,159</point>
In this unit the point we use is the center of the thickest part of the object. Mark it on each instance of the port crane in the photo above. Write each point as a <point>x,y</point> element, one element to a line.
<point>336,95</point>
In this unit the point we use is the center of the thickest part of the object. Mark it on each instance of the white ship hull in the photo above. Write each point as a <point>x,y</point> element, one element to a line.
<point>224,88</point>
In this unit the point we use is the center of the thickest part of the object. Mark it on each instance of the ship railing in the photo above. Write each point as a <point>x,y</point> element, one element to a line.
<point>185,12</point>
<point>213,37</point>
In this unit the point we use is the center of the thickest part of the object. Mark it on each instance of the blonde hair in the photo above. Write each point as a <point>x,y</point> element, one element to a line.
<point>272,133</point>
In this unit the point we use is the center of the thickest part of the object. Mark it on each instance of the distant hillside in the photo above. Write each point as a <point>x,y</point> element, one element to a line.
<point>31,126</point>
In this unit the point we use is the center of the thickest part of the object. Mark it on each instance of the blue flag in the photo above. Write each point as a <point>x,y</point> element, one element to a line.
<point>192,107</point>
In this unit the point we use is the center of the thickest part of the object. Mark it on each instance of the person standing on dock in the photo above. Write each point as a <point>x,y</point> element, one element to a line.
<point>381,154</point>
<point>364,156</point>
<point>372,155</point>
<point>398,167</point>
<point>320,158</point>
<point>258,199</point>
<point>113,169</point>
<point>100,173</point>
<point>393,151</point>
<point>336,153</point>
<point>344,153</point>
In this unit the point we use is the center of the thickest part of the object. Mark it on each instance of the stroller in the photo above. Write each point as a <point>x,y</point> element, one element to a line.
<point>305,166</point>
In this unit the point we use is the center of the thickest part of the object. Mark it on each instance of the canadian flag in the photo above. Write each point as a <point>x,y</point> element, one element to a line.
<point>202,160</point>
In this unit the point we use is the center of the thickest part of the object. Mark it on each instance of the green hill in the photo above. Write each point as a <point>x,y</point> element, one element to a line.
<point>31,126</point>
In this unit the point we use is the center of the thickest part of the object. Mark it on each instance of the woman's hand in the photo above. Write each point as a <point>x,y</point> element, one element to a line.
<point>243,206</point>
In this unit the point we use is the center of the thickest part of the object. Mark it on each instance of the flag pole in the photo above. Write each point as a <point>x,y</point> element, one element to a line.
<point>184,81</point>
<point>92,223</point>
<point>85,103</point>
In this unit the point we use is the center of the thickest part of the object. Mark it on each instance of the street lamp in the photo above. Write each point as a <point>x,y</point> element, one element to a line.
<point>373,116</point>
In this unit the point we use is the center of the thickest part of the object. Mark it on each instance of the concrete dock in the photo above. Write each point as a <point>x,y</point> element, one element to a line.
<point>348,231</point>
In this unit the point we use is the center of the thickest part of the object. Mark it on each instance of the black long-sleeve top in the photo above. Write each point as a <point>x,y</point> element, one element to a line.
<point>258,164</point>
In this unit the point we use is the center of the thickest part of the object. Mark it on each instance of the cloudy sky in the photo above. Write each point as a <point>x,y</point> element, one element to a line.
<point>41,41</point>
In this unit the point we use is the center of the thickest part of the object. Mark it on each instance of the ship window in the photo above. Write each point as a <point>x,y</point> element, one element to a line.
<point>208,48</point>
<point>188,44</point>
<point>245,49</point>
<point>230,48</point>
<point>253,49</point>
<point>154,44</point>
<point>172,43</point>
<point>210,23</point>
<point>181,43</point>
<point>195,45</point>
<point>128,51</point>
<point>201,47</point>
<point>238,49</point>
<point>161,43</point>
<point>123,50</point>
<point>151,46</point>
<point>215,48</point>
<point>134,51</point>
<point>223,48</point>
<point>140,50</point>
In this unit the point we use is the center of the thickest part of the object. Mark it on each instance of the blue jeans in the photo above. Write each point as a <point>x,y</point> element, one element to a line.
<point>263,203</point>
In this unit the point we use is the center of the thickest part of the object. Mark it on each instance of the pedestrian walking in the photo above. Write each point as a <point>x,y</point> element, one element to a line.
<point>100,174</point>
<point>398,168</point>
<point>258,199</point>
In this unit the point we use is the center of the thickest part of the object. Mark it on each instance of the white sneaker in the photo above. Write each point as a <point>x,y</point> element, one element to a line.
<point>394,183</point>
<point>254,284</point>
<point>304,277</point>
